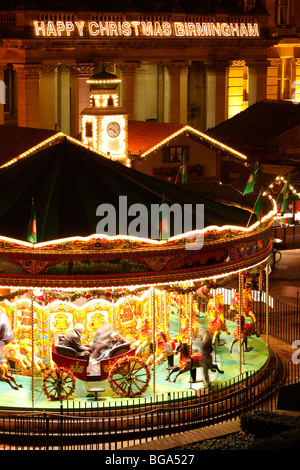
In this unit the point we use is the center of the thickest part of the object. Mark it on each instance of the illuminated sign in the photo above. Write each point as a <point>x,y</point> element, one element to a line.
<point>151,29</point>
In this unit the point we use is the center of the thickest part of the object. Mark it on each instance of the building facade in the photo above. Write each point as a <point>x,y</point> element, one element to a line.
<point>191,68</point>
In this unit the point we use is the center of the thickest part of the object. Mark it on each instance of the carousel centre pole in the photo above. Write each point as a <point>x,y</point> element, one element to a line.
<point>240,320</point>
<point>32,333</point>
<point>32,349</point>
<point>153,335</point>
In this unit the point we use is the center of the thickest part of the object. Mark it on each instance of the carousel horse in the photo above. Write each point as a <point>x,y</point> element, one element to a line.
<point>187,332</point>
<point>249,317</point>
<point>245,333</point>
<point>248,328</point>
<point>5,376</point>
<point>247,301</point>
<point>13,353</point>
<point>143,343</point>
<point>203,293</point>
<point>6,336</point>
<point>188,362</point>
<point>165,349</point>
<point>38,362</point>
<point>234,307</point>
<point>217,322</point>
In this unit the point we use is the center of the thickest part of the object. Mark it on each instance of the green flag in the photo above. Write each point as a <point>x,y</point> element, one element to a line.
<point>285,196</point>
<point>31,231</point>
<point>182,169</point>
<point>251,181</point>
<point>163,227</point>
<point>163,223</point>
<point>258,208</point>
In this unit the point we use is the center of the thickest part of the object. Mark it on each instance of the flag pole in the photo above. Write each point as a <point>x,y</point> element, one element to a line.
<point>254,206</point>
<point>249,188</point>
<point>160,219</point>
<point>276,200</point>
<point>182,169</point>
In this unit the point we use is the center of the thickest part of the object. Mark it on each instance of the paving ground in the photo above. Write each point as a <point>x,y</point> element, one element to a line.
<point>285,278</point>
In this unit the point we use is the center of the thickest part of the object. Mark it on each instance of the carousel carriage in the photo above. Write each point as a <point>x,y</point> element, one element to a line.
<point>128,375</point>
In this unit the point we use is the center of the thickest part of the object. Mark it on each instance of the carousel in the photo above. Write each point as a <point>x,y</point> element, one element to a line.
<point>160,294</point>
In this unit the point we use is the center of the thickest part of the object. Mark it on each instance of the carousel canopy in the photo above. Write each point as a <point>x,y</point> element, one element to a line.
<point>68,182</point>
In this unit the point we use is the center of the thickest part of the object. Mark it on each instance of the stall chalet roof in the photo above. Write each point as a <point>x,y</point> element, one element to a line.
<point>145,137</point>
<point>16,140</point>
<point>67,182</point>
<point>254,130</point>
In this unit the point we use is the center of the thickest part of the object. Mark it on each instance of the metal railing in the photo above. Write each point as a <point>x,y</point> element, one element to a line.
<point>112,427</point>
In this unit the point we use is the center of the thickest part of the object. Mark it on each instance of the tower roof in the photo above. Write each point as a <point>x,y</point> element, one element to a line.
<point>100,80</point>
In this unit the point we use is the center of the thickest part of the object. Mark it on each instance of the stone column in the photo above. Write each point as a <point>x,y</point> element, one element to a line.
<point>127,96</point>
<point>252,87</point>
<point>178,73</point>
<point>258,72</point>
<point>28,94</point>
<point>2,93</point>
<point>261,79</point>
<point>163,95</point>
<point>272,79</point>
<point>210,96</point>
<point>47,96</point>
<point>216,93</point>
<point>146,92</point>
<point>221,91</point>
<point>63,92</point>
<point>80,94</point>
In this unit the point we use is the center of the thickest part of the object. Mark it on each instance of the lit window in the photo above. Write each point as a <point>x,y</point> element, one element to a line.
<point>175,154</point>
<point>89,129</point>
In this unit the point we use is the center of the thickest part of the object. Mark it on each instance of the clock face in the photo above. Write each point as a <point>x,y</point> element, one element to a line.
<point>113,129</point>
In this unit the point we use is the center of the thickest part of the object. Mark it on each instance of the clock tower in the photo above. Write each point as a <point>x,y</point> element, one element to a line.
<point>104,124</point>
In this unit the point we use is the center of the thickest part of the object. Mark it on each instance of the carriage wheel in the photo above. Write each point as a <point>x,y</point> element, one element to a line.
<point>129,376</point>
<point>58,384</point>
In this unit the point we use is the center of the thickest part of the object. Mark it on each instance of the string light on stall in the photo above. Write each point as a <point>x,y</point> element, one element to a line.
<point>186,130</point>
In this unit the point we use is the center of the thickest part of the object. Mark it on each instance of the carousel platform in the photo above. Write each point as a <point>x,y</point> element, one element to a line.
<point>28,397</point>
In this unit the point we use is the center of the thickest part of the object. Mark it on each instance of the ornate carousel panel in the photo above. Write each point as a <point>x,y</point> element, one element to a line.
<point>103,262</point>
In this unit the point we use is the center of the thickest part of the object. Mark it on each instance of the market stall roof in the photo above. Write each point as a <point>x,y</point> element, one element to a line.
<point>15,140</point>
<point>255,130</point>
<point>68,182</point>
<point>145,137</point>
